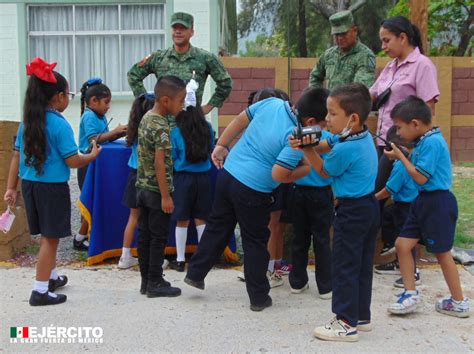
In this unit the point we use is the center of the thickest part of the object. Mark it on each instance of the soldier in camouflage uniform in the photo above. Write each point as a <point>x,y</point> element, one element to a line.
<point>182,60</point>
<point>349,61</point>
<point>155,185</point>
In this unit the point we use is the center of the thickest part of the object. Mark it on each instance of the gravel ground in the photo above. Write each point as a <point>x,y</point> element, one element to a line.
<point>219,320</point>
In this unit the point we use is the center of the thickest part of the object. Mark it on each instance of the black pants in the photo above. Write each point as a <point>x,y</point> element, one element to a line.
<point>385,167</point>
<point>313,212</point>
<point>235,202</point>
<point>355,228</point>
<point>153,227</point>
<point>393,219</point>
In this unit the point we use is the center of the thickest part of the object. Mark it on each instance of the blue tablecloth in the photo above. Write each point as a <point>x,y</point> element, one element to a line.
<point>100,204</point>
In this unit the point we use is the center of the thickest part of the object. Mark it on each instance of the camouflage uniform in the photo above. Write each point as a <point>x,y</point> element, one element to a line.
<point>358,65</point>
<point>339,68</point>
<point>169,62</point>
<point>153,134</point>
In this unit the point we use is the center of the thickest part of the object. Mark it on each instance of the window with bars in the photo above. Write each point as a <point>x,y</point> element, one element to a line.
<point>96,40</point>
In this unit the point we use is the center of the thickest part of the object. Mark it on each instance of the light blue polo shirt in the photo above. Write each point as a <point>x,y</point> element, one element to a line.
<point>60,146</point>
<point>133,160</point>
<point>91,125</point>
<point>431,158</point>
<point>352,163</point>
<point>179,153</point>
<point>264,144</point>
<point>401,185</point>
<point>314,179</point>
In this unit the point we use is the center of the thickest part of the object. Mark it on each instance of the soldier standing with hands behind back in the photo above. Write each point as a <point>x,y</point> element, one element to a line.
<point>183,60</point>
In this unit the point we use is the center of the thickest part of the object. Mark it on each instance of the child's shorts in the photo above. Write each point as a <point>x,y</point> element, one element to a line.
<point>48,208</point>
<point>129,198</point>
<point>432,219</point>
<point>283,198</point>
<point>81,176</point>
<point>192,195</point>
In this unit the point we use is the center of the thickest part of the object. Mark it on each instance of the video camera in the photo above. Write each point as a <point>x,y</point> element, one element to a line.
<point>314,131</point>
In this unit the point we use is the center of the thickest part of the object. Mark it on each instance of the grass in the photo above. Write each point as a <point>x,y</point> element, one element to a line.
<point>463,189</point>
<point>32,249</point>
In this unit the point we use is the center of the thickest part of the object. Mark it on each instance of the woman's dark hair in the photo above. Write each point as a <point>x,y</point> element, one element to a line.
<point>400,24</point>
<point>196,134</point>
<point>93,88</point>
<point>265,93</point>
<point>37,99</point>
<point>140,106</point>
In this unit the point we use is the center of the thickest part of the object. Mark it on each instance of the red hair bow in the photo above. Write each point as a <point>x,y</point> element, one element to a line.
<point>42,70</point>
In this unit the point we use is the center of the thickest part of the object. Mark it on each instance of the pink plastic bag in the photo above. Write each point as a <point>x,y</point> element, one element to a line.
<point>6,220</point>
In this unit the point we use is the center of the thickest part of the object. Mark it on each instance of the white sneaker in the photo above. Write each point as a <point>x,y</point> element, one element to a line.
<point>125,263</point>
<point>241,274</point>
<point>406,303</point>
<point>450,307</point>
<point>337,330</point>
<point>165,264</point>
<point>274,279</point>
<point>299,291</point>
<point>327,296</point>
<point>364,326</point>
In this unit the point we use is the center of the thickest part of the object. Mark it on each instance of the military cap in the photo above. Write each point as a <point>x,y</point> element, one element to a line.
<point>182,18</point>
<point>341,22</point>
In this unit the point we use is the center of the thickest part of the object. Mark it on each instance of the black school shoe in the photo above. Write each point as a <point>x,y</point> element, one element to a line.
<point>38,299</point>
<point>161,288</point>
<point>258,308</point>
<point>144,285</point>
<point>197,284</point>
<point>57,283</point>
<point>177,266</point>
<point>80,245</point>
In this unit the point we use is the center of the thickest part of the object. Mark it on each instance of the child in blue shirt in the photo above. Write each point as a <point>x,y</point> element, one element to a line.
<point>312,208</point>
<point>45,151</point>
<point>140,106</point>
<point>255,166</point>
<point>433,214</point>
<point>192,142</point>
<point>95,102</point>
<point>403,190</point>
<point>352,163</point>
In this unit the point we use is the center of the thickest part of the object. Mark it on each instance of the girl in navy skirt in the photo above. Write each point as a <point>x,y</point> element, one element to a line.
<point>45,151</point>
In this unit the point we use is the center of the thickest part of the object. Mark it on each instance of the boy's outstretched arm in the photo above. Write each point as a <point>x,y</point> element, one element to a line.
<point>167,204</point>
<point>382,194</point>
<point>316,161</point>
<point>284,175</point>
<point>398,154</point>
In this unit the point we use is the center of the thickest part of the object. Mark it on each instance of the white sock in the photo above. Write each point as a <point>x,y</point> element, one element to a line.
<point>52,294</point>
<point>271,265</point>
<point>278,262</point>
<point>126,252</point>
<point>54,274</point>
<point>40,286</point>
<point>80,237</point>
<point>411,292</point>
<point>200,230</point>
<point>181,236</point>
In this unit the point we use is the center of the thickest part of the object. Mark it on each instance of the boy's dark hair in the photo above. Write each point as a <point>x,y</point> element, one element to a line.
<point>93,88</point>
<point>400,24</point>
<point>353,98</point>
<point>169,85</point>
<point>37,99</point>
<point>196,134</point>
<point>140,106</point>
<point>393,137</point>
<point>312,103</point>
<point>267,92</point>
<point>411,108</point>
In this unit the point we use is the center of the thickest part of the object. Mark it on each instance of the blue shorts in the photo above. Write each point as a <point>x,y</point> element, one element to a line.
<point>432,219</point>
<point>192,195</point>
<point>129,198</point>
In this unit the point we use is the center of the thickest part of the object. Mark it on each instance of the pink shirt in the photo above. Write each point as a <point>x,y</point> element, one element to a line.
<point>415,76</point>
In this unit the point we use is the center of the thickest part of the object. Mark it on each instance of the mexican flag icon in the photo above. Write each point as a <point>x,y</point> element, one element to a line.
<point>18,332</point>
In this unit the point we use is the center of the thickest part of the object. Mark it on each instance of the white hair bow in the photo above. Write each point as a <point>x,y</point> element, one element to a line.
<point>191,88</point>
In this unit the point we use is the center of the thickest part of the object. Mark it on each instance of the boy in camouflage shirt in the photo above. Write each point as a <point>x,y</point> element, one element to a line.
<point>155,185</point>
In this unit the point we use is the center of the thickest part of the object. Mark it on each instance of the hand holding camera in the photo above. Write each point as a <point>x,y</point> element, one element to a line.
<point>307,136</point>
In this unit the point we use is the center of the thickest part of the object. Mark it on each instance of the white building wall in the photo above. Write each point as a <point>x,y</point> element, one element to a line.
<point>9,64</point>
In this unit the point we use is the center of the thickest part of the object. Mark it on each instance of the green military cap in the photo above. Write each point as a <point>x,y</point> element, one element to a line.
<point>341,22</point>
<point>182,18</point>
